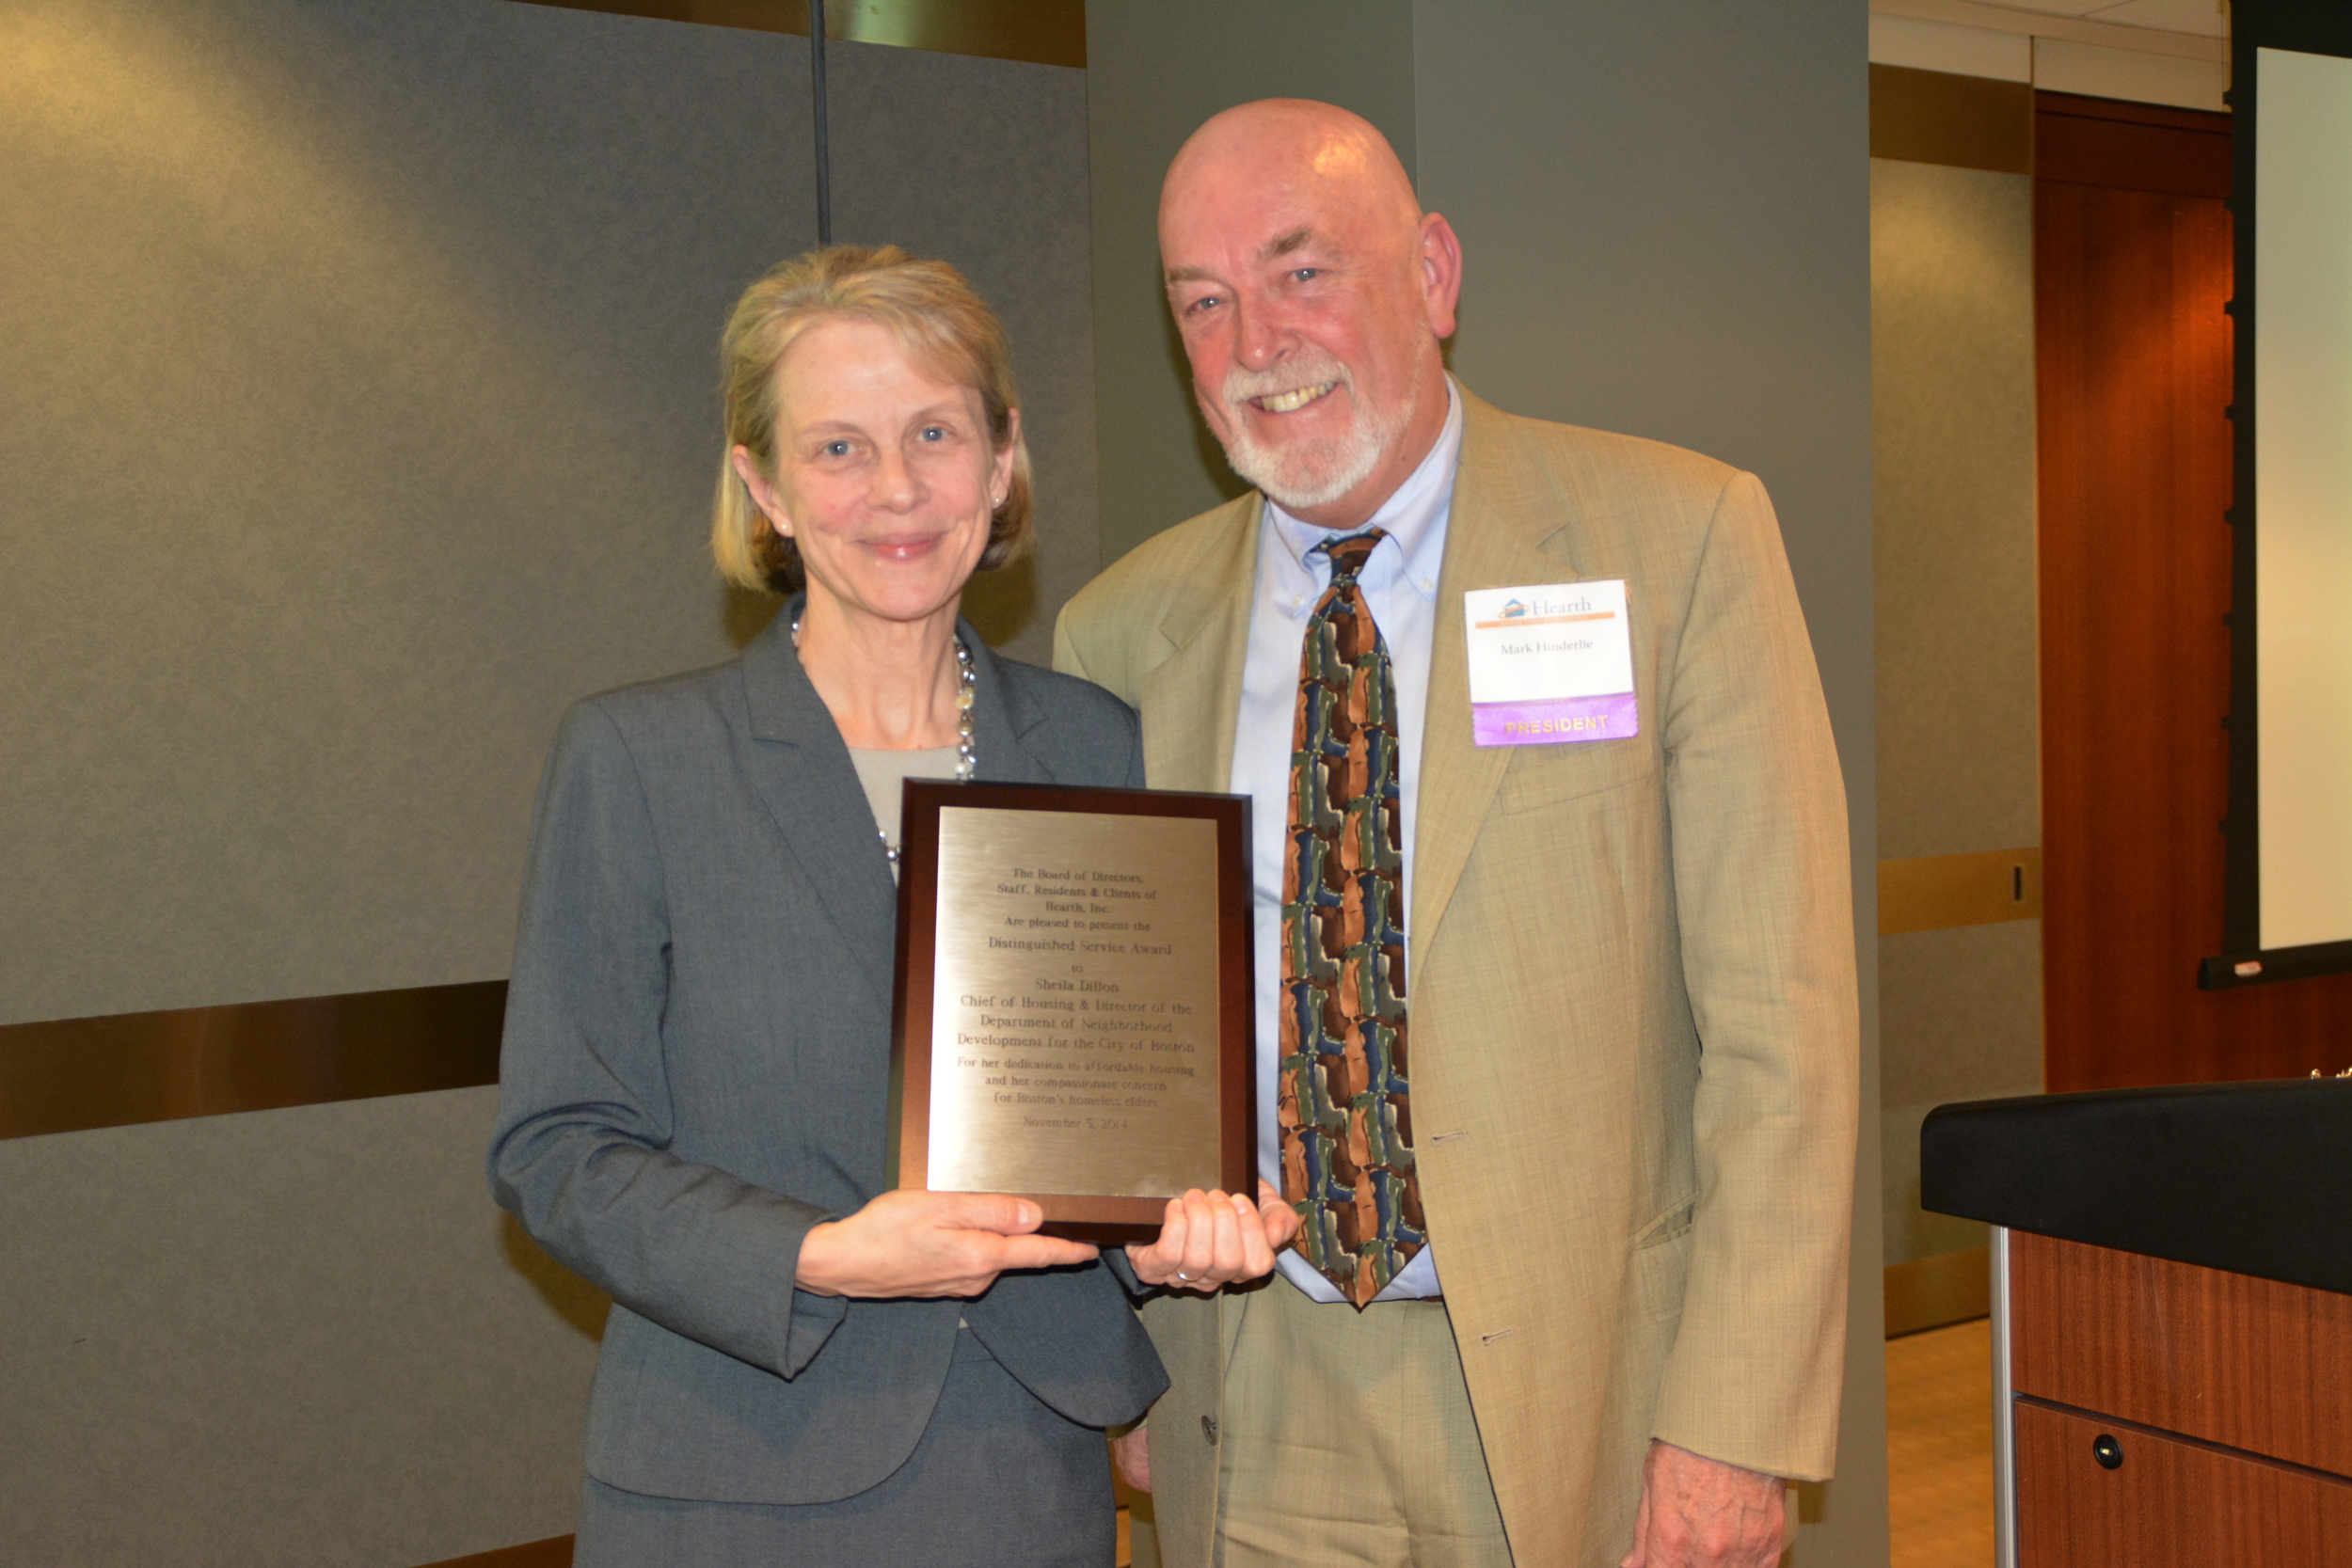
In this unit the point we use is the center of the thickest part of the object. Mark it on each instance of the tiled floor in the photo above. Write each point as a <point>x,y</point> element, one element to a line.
<point>1939,1447</point>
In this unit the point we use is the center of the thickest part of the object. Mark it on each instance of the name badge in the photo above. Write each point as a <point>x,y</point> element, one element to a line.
<point>1550,664</point>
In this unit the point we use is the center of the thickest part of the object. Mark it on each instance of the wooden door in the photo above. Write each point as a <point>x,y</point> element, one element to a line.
<point>2132,269</point>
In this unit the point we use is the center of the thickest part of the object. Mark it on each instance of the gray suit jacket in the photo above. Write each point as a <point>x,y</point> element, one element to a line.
<point>696,1072</point>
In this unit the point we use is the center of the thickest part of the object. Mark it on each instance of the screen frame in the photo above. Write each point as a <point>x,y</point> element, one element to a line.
<point>2309,27</point>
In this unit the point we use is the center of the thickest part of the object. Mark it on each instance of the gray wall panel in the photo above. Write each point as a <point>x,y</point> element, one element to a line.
<point>1959,740</point>
<point>1952,427</point>
<point>292,1337</point>
<point>1664,217</point>
<point>359,415</point>
<point>983,163</point>
<point>1960,1018</point>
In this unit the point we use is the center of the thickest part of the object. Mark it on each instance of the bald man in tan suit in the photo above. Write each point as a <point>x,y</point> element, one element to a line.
<point>1632,1005</point>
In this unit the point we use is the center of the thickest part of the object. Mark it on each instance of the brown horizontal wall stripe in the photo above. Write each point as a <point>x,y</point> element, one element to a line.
<point>1044,32</point>
<point>1935,893</point>
<point>1933,117</point>
<point>554,1552</point>
<point>70,1075</point>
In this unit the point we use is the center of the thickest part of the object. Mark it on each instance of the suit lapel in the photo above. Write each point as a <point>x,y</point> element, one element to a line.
<point>1191,700</point>
<point>1501,512</point>
<point>1002,717</point>
<point>801,768</point>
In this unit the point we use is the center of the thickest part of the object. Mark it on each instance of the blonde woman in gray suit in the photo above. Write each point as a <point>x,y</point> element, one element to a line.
<point>801,1367</point>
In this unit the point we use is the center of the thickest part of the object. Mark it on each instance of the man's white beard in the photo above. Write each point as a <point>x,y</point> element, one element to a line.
<point>1307,474</point>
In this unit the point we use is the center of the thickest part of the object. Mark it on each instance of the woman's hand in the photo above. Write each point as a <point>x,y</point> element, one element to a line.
<point>1212,1239</point>
<point>1131,1452</point>
<point>910,1243</point>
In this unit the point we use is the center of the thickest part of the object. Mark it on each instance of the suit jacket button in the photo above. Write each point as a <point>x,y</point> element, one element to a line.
<point>1208,1427</point>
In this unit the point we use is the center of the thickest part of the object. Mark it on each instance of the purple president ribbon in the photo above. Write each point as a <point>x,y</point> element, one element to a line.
<point>1613,717</point>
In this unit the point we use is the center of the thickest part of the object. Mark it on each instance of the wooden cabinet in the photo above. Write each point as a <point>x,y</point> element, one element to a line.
<point>2167,1502</point>
<point>2224,1402</point>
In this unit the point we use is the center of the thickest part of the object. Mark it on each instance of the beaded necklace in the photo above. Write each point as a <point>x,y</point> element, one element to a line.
<point>967,754</point>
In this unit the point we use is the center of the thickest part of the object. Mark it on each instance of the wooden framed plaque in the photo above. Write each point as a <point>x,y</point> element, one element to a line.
<point>1074,1017</point>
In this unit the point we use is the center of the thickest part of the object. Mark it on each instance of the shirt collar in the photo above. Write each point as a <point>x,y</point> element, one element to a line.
<point>1413,515</point>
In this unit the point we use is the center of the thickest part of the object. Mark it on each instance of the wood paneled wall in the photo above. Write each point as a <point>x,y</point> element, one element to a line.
<point>2132,269</point>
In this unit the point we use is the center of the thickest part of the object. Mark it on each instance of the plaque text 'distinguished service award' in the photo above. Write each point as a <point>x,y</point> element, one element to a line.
<point>1073,1020</point>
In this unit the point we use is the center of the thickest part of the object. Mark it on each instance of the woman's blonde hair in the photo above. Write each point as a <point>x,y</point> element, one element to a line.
<point>937,319</point>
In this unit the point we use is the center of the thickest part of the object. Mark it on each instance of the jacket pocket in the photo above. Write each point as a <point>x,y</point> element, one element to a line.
<point>1665,1227</point>
<point>1537,782</point>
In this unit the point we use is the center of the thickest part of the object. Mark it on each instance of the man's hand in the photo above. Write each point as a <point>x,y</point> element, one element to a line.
<point>1212,1239</point>
<point>1700,1513</point>
<point>910,1243</point>
<point>1132,1454</point>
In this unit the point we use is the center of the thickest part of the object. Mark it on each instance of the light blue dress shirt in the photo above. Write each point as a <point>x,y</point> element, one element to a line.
<point>1400,587</point>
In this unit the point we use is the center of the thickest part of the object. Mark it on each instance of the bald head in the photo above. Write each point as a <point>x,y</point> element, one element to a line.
<point>1312,295</point>
<point>1319,150</point>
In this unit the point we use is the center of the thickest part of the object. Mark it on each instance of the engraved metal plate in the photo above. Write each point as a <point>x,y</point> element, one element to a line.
<point>1073,1014</point>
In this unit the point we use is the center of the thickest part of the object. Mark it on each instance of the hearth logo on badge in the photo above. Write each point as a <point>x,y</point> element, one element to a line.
<point>1550,664</point>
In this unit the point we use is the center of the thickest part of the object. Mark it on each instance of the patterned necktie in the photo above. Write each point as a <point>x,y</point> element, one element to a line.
<point>1347,1136</point>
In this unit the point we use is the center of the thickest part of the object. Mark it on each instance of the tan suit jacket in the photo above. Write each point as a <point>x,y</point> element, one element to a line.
<point>1630,979</point>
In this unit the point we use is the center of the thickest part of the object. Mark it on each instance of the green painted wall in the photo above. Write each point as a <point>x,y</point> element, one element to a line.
<point>1665,226</point>
<point>1155,71</point>
<point>1664,214</point>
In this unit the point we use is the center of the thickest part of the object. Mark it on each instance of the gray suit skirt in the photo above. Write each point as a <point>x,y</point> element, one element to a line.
<point>998,1478</point>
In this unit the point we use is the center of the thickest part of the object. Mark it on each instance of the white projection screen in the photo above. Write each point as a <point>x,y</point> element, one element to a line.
<point>2303,490</point>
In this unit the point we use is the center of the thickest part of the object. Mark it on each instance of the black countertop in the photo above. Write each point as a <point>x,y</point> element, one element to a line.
<point>2252,1178</point>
